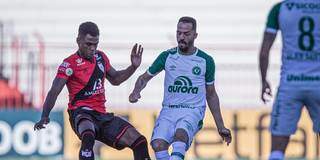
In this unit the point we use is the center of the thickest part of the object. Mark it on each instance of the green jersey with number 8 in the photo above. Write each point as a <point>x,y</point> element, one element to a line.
<point>299,23</point>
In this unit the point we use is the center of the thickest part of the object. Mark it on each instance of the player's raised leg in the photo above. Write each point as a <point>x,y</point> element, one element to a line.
<point>136,142</point>
<point>179,144</point>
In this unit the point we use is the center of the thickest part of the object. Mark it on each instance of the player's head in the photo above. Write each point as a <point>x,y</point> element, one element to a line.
<point>88,39</point>
<point>186,33</point>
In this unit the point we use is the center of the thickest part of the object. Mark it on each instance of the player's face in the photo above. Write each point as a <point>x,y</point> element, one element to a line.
<point>88,45</point>
<point>185,36</point>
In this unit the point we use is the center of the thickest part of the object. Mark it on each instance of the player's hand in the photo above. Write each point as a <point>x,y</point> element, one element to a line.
<point>225,134</point>
<point>43,121</point>
<point>136,55</point>
<point>133,98</point>
<point>266,92</point>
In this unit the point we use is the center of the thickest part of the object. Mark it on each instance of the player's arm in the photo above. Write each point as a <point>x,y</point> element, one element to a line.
<point>214,106</point>
<point>140,84</point>
<point>268,38</point>
<point>117,77</point>
<point>56,88</point>
<point>156,67</point>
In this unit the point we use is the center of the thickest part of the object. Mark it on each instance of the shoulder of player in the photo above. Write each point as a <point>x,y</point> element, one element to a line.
<point>164,54</point>
<point>70,60</point>
<point>275,9</point>
<point>204,55</point>
<point>171,51</point>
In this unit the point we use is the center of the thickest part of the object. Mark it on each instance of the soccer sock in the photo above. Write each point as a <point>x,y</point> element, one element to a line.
<point>276,155</point>
<point>162,155</point>
<point>179,149</point>
<point>140,149</point>
<point>87,142</point>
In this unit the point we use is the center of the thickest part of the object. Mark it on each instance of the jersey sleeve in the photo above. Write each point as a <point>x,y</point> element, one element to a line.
<point>272,25</point>
<point>158,65</point>
<point>64,70</point>
<point>210,71</point>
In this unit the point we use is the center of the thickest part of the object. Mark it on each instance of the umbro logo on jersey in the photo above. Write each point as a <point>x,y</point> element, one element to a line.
<point>175,57</point>
<point>172,67</point>
<point>182,84</point>
<point>79,62</point>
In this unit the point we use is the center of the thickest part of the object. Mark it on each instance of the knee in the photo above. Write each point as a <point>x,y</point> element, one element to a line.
<point>139,141</point>
<point>181,135</point>
<point>159,145</point>
<point>129,137</point>
<point>85,125</point>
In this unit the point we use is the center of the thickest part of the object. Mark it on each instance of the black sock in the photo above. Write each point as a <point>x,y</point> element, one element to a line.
<point>87,142</point>
<point>140,149</point>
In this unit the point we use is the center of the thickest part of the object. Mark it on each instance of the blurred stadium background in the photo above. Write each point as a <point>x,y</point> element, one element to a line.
<point>36,35</point>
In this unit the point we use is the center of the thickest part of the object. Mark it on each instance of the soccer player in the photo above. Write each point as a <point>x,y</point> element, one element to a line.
<point>84,72</point>
<point>299,23</point>
<point>189,83</point>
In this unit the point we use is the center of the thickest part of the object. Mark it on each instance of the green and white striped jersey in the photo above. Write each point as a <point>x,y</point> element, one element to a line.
<point>299,23</point>
<point>185,77</point>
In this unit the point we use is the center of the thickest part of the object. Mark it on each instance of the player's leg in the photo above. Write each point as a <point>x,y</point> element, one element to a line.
<point>136,142</point>
<point>185,129</point>
<point>284,118</point>
<point>160,148</point>
<point>87,133</point>
<point>313,106</point>
<point>85,129</point>
<point>118,133</point>
<point>163,133</point>
<point>179,145</point>
<point>278,146</point>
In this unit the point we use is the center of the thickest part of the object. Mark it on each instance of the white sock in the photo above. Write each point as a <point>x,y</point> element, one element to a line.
<point>179,150</point>
<point>162,155</point>
<point>276,155</point>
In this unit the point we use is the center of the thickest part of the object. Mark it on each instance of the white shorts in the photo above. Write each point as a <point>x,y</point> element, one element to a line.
<point>287,108</point>
<point>170,119</point>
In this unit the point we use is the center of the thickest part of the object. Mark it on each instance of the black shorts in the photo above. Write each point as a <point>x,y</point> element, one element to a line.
<point>108,127</point>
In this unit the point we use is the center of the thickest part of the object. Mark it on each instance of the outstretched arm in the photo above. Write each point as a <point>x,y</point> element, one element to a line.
<point>138,87</point>
<point>56,88</point>
<point>214,106</point>
<point>117,77</point>
<point>268,39</point>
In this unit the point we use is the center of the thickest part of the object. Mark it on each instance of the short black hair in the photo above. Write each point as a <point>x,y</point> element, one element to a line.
<point>191,20</point>
<point>88,28</point>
